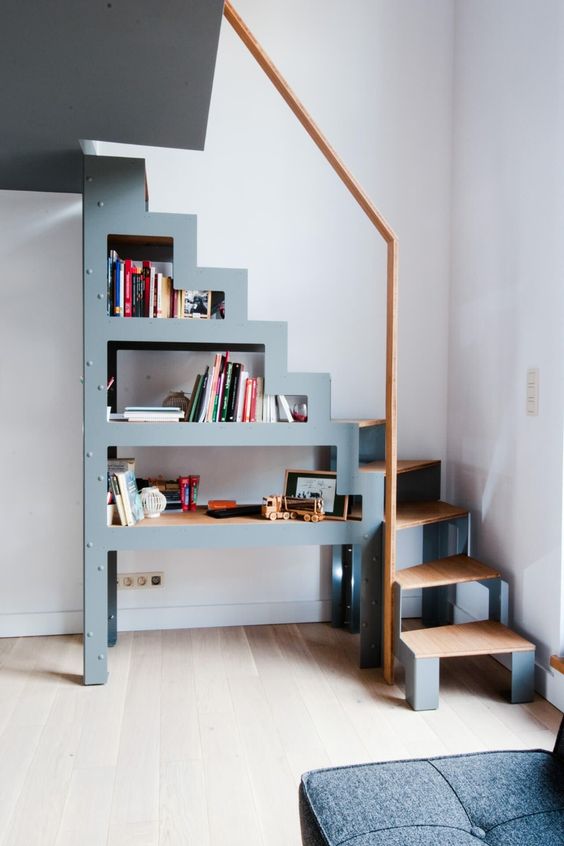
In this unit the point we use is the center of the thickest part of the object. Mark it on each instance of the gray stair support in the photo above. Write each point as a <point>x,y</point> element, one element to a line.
<point>522,676</point>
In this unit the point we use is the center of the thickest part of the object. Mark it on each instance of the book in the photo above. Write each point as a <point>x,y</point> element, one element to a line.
<point>128,288</point>
<point>116,493</point>
<point>226,390</point>
<point>130,497</point>
<point>213,388</point>
<point>241,391</point>
<point>253,405</point>
<point>259,399</point>
<point>284,409</point>
<point>234,392</point>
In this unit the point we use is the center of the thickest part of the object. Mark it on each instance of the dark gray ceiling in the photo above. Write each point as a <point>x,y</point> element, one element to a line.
<point>135,71</point>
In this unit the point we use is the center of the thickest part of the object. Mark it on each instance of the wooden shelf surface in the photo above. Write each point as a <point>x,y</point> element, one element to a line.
<point>200,518</point>
<point>557,663</point>
<point>405,465</point>
<point>485,637</point>
<point>455,569</point>
<point>411,514</point>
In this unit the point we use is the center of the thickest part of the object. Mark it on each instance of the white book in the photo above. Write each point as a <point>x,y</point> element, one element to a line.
<point>241,395</point>
<point>284,409</point>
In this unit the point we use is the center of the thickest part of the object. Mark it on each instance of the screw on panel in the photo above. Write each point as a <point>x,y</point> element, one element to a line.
<point>101,568</point>
<point>100,478</point>
<point>90,179</point>
<point>101,387</point>
<point>100,204</point>
<point>89,363</point>
<point>89,544</point>
<point>101,296</point>
<point>89,634</point>
<point>101,657</point>
<point>89,271</point>
<point>89,454</point>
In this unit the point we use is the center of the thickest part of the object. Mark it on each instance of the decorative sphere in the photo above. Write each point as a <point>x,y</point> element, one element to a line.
<point>153,501</point>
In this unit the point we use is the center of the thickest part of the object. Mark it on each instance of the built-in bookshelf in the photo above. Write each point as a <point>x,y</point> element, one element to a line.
<point>133,357</point>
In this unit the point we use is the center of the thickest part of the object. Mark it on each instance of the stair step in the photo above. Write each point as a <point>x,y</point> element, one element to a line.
<point>452,570</point>
<point>557,663</point>
<point>411,514</point>
<point>404,466</point>
<point>486,637</point>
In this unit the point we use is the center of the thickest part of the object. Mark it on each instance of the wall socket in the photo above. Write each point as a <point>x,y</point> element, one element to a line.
<point>139,581</point>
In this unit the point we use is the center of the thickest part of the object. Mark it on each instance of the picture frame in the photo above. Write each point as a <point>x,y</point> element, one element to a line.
<point>197,304</point>
<point>308,483</point>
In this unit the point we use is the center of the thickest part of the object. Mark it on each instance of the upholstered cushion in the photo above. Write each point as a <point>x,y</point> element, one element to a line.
<point>497,798</point>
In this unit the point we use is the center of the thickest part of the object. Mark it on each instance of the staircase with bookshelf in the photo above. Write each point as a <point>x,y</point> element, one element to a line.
<point>118,227</point>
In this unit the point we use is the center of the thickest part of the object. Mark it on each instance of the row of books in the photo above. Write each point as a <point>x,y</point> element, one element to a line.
<point>140,289</point>
<point>227,393</point>
<point>123,491</point>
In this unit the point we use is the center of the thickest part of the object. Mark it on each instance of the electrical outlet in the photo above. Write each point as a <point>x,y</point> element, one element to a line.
<point>139,581</point>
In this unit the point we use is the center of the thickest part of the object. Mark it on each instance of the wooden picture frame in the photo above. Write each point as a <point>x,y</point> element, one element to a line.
<point>197,304</point>
<point>323,483</point>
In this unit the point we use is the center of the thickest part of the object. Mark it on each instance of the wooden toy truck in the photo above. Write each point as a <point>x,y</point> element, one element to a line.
<point>277,507</point>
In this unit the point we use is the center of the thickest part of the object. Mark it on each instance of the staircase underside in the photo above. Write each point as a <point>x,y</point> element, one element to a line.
<point>131,71</point>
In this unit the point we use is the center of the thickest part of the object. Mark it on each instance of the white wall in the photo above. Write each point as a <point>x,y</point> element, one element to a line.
<point>377,78</point>
<point>507,304</point>
<point>40,386</point>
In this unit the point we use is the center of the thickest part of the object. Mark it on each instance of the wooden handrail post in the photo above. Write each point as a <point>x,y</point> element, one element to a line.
<point>389,237</point>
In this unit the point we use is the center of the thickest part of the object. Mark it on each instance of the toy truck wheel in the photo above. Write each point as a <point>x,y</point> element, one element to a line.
<point>307,518</point>
<point>286,515</point>
<point>315,518</point>
<point>272,516</point>
<point>293,515</point>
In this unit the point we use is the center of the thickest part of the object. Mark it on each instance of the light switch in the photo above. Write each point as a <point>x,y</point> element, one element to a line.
<point>532,391</point>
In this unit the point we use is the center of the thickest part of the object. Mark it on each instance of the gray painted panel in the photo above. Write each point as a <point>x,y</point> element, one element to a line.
<point>112,70</point>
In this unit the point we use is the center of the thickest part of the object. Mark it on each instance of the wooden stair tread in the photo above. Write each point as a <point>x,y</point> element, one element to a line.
<point>486,637</point>
<point>422,513</point>
<point>557,663</point>
<point>452,570</point>
<point>405,465</point>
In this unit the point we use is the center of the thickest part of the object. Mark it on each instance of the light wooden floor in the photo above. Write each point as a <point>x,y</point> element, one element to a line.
<point>200,736</point>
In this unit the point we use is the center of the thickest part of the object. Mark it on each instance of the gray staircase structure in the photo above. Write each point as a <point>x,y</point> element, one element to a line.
<point>114,204</point>
<point>133,71</point>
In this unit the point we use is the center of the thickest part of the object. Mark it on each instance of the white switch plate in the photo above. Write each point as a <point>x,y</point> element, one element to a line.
<point>532,391</point>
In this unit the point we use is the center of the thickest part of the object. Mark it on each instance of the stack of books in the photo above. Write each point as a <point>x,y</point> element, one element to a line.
<point>122,485</point>
<point>153,414</point>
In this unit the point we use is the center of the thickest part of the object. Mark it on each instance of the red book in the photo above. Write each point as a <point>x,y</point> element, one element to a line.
<point>128,288</point>
<point>247,401</point>
<point>253,409</point>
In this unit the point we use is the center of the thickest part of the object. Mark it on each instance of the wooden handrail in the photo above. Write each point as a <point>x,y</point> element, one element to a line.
<point>389,237</point>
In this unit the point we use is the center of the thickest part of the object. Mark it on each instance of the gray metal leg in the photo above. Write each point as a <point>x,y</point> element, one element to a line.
<point>522,676</point>
<point>95,616</point>
<point>112,598</point>
<point>356,574</point>
<point>435,605</point>
<point>371,579</point>
<point>421,681</point>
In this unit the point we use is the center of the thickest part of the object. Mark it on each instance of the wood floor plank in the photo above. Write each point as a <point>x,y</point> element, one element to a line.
<point>180,728</point>
<point>87,810</point>
<point>183,805</point>
<point>136,788</point>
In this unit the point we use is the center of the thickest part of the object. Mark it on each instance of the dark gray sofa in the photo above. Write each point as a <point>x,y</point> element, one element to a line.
<point>498,798</point>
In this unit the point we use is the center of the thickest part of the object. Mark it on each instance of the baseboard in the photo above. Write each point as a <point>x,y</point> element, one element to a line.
<point>176,617</point>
